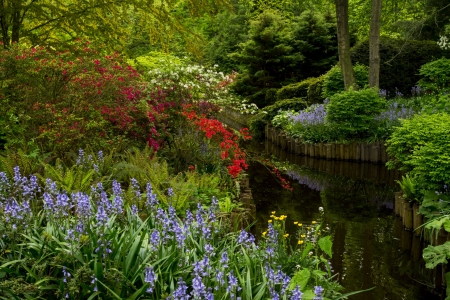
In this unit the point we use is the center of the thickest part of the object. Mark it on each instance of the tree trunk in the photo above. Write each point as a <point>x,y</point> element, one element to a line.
<point>4,24</point>
<point>15,25</point>
<point>374,44</point>
<point>344,44</point>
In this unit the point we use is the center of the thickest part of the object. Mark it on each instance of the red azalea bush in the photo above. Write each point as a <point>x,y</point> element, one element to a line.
<point>215,131</point>
<point>61,101</point>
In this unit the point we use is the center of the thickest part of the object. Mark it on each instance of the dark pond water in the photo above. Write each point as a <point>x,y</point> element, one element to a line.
<point>370,248</point>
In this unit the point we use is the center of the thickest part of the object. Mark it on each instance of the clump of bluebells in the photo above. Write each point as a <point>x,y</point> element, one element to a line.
<point>97,244</point>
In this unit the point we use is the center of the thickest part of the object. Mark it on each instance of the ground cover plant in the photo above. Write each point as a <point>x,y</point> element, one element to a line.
<point>83,245</point>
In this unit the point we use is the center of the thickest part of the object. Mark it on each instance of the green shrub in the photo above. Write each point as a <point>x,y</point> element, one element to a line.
<point>271,96</point>
<point>420,146</point>
<point>400,61</point>
<point>353,111</point>
<point>334,83</point>
<point>310,88</point>
<point>294,90</point>
<point>436,76</point>
<point>315,90</point>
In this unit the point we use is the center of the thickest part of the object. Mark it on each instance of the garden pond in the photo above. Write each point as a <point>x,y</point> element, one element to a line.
<point>370,247</point>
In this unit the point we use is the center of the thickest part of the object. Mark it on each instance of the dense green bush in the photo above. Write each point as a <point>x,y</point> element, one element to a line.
<point>420,146</point>
<point>259,121</point>
<point>294,90</point>
<point>334,83</point>
<point>353,112</point>
<point>436,76</point>
<point>281,51</point>
<point>400,61</point>
<point>310,89</point>
<point>315,90</point>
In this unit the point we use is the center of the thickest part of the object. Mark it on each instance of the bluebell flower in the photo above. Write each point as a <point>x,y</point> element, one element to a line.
<point>100,157</point>
<point>318,290</point>
<point>150,278</point>
<point>155,239</point>
<point>198,288</point>
<point>66,274</point>
<point>181,291</point>
<point>136,188</point>
<point>82,204</point>
<point>209,249</point>
<point>80,158</point>
<point>170,192</point>
<point>152,202</point>
<point>102,217</point>
<point>134,210</point>
<point>224,259</point>
<point>296,294</point>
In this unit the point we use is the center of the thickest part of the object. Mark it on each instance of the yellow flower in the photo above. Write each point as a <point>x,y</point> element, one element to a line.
<point>264,233</point>
<point>308,228</point>
<point>300,242</point>
<point>286,235</point>
<point>303,236</point>
<point>270,221</point>
<point>300,224</point>
<point>318,233</point>
<point>272,216</point>
<point>273,212</point>
<point>314,222</point>
<point>295,222</point>
<point>284,217</point>
<point>276,218</point>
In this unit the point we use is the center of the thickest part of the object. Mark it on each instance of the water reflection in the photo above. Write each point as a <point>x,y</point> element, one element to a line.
<point>370,249</point>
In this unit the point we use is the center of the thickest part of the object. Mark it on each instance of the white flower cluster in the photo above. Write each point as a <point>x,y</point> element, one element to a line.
<point>444,42</point>
<point>198,82</point>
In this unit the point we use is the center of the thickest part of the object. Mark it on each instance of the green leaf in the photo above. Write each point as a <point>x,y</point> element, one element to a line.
<point>308,295</point>
<point>326,245</point>
<point>434,255</point>
<point>308,247</point>
<point>353,293</point>
<point>300,279</point>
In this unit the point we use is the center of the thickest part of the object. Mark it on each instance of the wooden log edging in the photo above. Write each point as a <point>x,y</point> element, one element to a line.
<point>362,152</point>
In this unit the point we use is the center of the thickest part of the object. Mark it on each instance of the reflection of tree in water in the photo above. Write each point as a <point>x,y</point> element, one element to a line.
<point>365,252</point>
<point>345,196</point>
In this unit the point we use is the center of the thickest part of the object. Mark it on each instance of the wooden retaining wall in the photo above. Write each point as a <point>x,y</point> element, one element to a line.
<point>361,152</point>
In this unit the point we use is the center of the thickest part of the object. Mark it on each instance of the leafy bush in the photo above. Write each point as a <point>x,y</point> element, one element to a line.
<point>334,83</point>
<point>315,90</point>
<point>420,147</point>
<point>309,89</point>
<point>400,61</point>
<point>353,112</point>
<point>280,51</point>
<point>436,76</point>
<point>294,90</point>
<point>57,102</point>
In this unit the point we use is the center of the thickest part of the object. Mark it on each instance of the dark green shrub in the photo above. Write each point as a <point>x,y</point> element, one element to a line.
<point>436,76</point>
<point>353,111</point>
<point>400,61</point>
<point>310,89</point>
<point>334,83</point>
<point>315,90</point>
<point>420,146</point>
<point>294,90</point>
<point>271,96</point>
<point>280,51</point>
<point>257,123</point>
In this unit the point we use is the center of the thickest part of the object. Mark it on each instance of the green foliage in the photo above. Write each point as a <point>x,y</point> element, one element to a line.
<point>294,90</point>
<point>409,187</point>
<point>334,83</point>
<point>353,111</point>
<point>434,255</point>
<point>280,51</point>
<point>420,147</point>
<point>400,61</point>
<point>309,89</point>
<point>436,103</point>
<point>315,90</point>
<point>155,60</point>
<point>436,76</point>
